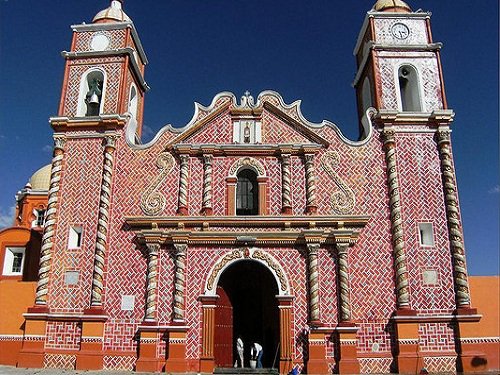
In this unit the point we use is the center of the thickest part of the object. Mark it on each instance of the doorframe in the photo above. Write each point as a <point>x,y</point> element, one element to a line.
<point>284,299</point>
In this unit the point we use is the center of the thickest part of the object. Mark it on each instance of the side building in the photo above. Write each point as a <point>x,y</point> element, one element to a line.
<point>251,222</point>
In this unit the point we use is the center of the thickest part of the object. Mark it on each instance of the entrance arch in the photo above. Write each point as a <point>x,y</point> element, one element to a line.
<point>247,307</point>
<point>209,300</point>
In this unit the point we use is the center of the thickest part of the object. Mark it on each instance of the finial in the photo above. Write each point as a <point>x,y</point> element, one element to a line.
<point>247,99</point>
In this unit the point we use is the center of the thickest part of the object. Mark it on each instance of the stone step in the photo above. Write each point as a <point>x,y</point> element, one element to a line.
<point>245,371</point>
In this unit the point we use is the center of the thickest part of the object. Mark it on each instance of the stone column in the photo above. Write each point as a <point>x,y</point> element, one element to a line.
<point>102,226</point>
<point>207,185</point>
<point>343,280</point>
<point>460,277</point>
<point>49,227</point>
<point>312,257</point>
<point>402,289</point>
<point>152,250</point>
<point>286,198</point>
<point>183,183</point>
<point>179,283</point>
<point>311,207</point>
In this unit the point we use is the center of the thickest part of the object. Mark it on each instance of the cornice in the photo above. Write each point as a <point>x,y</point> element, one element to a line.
<point>115,26</point>
<point>106,122</point>
<point>289,231</point>
<point>115,52</point>
<point>257,149</point>
<point>386,117</point>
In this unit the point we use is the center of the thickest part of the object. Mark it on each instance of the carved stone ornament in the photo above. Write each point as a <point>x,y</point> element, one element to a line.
<point>248,162</point>
<point>153,202</point>
<point>343,200</point>
<point>247,253</point>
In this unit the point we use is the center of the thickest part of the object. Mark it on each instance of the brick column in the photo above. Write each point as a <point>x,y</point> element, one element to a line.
<point>183,184</point>
<point>311,205</point>
<point>207,184</point>
<point>286,198</point>
<point>102,226</point>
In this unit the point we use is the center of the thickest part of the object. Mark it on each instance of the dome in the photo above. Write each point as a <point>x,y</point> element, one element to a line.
<point>41,178</point>
<point>114,13</point>
<point>396,6</point>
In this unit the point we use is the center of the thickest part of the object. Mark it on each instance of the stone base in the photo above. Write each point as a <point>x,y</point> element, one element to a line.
<point>89,360</point>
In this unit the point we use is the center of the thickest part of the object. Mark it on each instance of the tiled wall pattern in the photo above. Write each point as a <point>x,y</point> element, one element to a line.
<point>361,168</point>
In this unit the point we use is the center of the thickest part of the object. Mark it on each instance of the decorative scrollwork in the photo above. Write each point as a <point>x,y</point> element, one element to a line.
<point>248,162</point>
<point>233,255</point>
<point>343,200</point>
<point>153,202</point>
<point>258,254</point>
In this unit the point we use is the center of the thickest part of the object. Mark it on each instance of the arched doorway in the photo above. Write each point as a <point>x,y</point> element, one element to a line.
<point>246,307</point>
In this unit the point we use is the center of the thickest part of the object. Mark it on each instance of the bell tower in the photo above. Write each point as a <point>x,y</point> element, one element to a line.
<point>398,63</point>
<point>104,74</point>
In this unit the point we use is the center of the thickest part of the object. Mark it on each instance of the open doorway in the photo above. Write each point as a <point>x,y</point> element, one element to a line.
<point>246,308</point>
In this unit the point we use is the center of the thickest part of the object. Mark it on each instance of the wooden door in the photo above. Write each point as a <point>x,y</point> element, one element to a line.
<point>223,335</point>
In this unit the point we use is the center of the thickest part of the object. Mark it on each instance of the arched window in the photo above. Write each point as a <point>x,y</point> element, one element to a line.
<point>247,193</point>
<point>366,94</point>
<point>132,102</point>
<point>409,89</point>
<point>91,94</point>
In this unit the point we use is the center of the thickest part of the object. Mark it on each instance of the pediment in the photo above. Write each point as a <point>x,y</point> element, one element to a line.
<point>269,121</point>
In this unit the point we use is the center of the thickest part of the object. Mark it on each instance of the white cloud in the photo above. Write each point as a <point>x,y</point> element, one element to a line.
<point>147,132</point>
<point>47,149</point>
<point>7,216</point>
<point>495,190</point>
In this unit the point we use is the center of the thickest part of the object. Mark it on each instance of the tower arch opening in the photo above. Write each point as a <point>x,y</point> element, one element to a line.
<point>409,89</point>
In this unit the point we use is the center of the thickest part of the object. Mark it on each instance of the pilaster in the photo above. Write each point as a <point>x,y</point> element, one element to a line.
<point>207,359</point>
<point>285,305</point>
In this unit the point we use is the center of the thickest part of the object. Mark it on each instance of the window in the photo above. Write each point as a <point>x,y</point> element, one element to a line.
<point>75,237</point>
<point>409,89</point>
<point>247,193</point>
<point>426,234</point>
<point>39,218</point>
<point>132,103</point>
<point>91,94</point>
<point>14,261</point>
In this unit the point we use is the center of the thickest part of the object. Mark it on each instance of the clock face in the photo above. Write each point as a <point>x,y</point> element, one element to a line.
<point>99,42</point>
<point>400,31</point>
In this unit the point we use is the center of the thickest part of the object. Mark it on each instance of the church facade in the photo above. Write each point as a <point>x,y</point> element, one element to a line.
<point>335,255</point>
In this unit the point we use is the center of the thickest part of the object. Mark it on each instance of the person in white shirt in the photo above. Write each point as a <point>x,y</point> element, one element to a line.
<point>239,348</point>
<point>256,353</point>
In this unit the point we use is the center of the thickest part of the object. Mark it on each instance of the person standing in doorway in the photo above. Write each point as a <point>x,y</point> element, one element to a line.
<point>240,348</point>
<point>256,352</point>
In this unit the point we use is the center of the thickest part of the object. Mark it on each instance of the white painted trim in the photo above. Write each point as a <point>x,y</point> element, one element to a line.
<point>213,291</point>
<point>295,106</point>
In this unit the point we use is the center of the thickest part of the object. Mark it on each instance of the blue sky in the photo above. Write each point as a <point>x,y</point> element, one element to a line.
<point>302,49</point>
